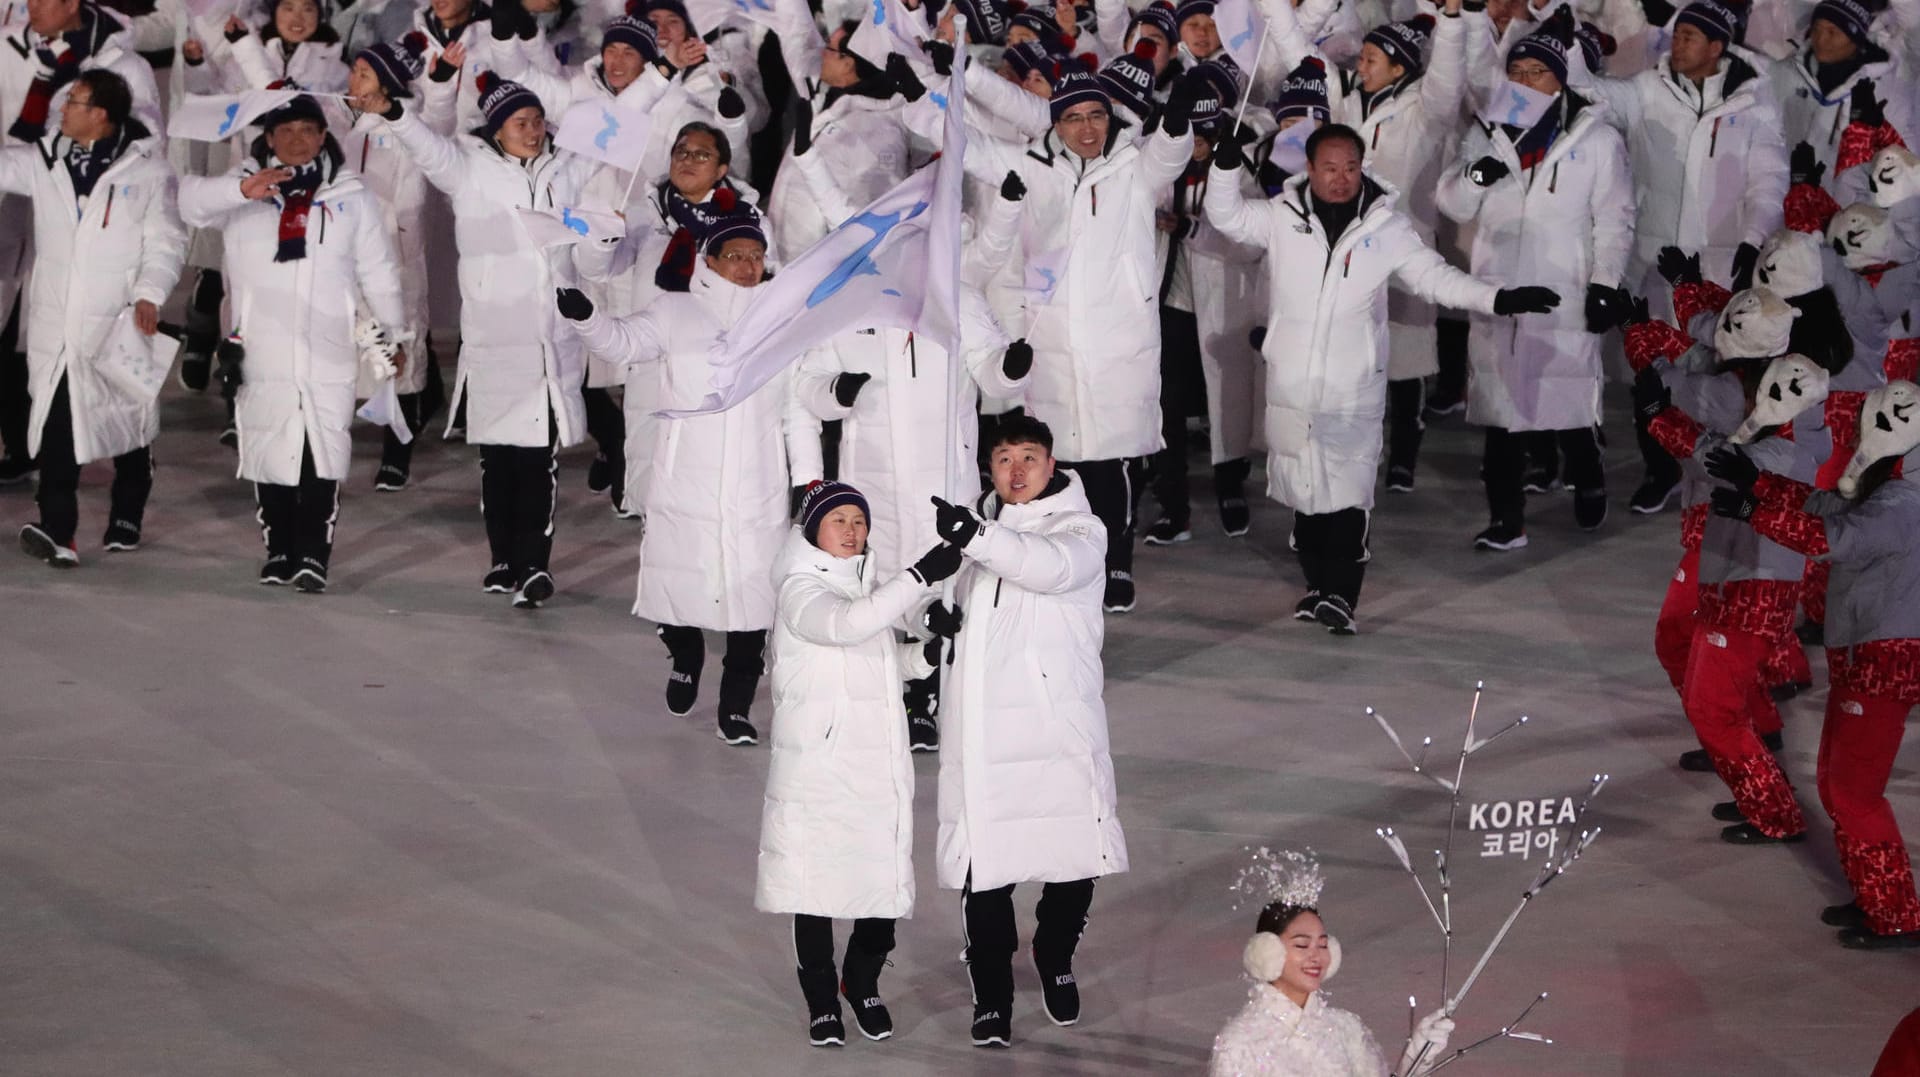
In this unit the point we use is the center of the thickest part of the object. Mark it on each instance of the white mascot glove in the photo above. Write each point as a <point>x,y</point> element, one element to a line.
<point>1430,1034</point>
<point>376,350</point>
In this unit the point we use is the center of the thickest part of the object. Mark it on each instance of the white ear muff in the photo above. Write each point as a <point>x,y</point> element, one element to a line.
<point>1265,957</point>
<point>1333,959</point>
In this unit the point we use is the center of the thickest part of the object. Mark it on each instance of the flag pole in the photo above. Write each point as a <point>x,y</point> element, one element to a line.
<point>952,476</point>
<point>1246,96</point>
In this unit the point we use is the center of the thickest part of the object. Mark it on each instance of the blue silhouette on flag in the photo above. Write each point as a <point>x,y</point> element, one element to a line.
<point>233,112</point>
<point>879,12</point>
<point>1239,40</point>
<point>606,134</point>
<point>567,218</point>
<point>860,262</point>
<point>1517,107</point>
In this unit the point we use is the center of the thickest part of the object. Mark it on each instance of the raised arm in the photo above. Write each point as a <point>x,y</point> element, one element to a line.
<point>819,615</point>
<point>1444,85</point>
<point>636,338</point>
<point>1067,555</point>
<point>435,153</point>
<point>206,201</point>
<point>1238,219</point>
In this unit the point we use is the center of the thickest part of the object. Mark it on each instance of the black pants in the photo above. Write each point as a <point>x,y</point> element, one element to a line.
<point>393,451</point>
<point>740,668</point>
<point>1406,400</point>
<point>813,940</point>
<point>296,522</point>
<point>1504,461</point>
<point>15,405</point>
<point>1450,338</point>
<point>993,937</point>
<point>1661,465</point>
<point>1332,548</point>
<point>518,491</point>
<point>58,492</point>
<point>607,425</point>
<point>1183,394</point>
<point>1113,492</point>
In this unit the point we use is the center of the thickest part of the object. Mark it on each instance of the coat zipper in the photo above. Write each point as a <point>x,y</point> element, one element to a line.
<point>913,357</point>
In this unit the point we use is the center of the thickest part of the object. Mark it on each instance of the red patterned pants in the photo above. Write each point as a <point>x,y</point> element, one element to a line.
<point>1673,632</point>
<point>1726,699</point>
<point>1872,689</point>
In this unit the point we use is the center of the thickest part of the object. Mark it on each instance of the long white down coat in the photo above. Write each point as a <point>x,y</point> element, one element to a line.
<point>716,503</point>
<point>297,318</point>
<point>836,831</point>
<point>517,363</point>
<point>1326,346</point>
<point>1565,223</point>
<point>1026,782</point>
<point>1407,137</point>
<point>1272,1037</point>
<point>1096,331</point>
<point>91,262</point>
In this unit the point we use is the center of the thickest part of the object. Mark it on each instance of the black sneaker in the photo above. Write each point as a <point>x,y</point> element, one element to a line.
<point>1439,407</point>
<point>390,477</point>
<point>121,536</point>
<point>14,470</point>
<point>1400,479</point>
<point>39,545</point>
<point>860,984</point>
<point>1728,811</point>
<point>1773,741</point>
<point>1589,509</point>
<point>1303,609</point>
<point>311,579</point>
<point>1812,633</point>
<point>1865,939</point>
<point>1781,693</point>
<point>230,437</point>
<point>992,1027</point>
<point>196,370</point>
<point>1119,598</point>
<point>1697,761</point>
<point>1501,537</point>
<point>923,733</point>
<point>599,473</point>
<point>1334,612</point>
<point>736,730</point>
<point>535,589</point>
<point>1539,480</point>
<point>826,1030</point>
<point>1848,915</point>
<point>620,509</point>
<point>1748,834</point>
<point>277,572</point>
<point>1653,495</point>
<point>1235,516</point>
<point>1165,532</point>
<point>1059,994</point>
<point>499,580</point>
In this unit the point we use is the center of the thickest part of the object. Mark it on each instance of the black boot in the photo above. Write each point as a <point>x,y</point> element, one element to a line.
<point>860,983</point>
<point>923,702</point>
<point>202,331</point>
<point>740,674</point>
<point>687,647</point>
<point>992,977</point>
<point>823,1008</point>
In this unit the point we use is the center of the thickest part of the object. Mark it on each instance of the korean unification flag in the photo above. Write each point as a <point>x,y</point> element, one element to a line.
<point>888,26</point>
<point>605,131</point>
<point>895,263</point>
<point>1516,105</point>
<point>217,117</point>
<point>1240,27</point>
<point>569,226</point>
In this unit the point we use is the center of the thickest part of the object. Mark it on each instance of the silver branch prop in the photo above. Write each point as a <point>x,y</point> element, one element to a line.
<point>1563,856</point>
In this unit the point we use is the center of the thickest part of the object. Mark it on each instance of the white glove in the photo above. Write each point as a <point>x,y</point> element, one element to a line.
<point>1428,1044</point>
<point>377,349</point>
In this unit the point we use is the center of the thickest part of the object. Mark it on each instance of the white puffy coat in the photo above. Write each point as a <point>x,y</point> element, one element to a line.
<point>297,318</point>
<point>1272,1037</point>
<point>517,363</point>
<point>92,260</point>
<point>1709,169</point>
<point>1026,779</point>
<point>1326,346</point>
<point>836,831</point>
<point>892,437</point>
<point>1407,137</point>
<point>716,503</point>
<point>1565,223</point>
<point>1807,115</point>
<point>1096,332</point>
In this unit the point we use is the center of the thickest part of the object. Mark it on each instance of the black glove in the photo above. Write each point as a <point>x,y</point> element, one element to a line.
<point>506,18</point>
<point>1530,299</point>
<point>905,82</point>
<point>942,619</point>
<point>1745,257</point>
<point>1487,171</point>
<point>1257,337</point>
<point>1659,12</point>
<point>442,70</point>
<point>1177,114</point>
<point>795,496</point>
<point>1229,153</point>
<point>1803,165</point>
<point>573,303</point>
<point>730,105</point>
<point>1678,267</point>
<point>1018,360</point>
<point>941,53</point>
<point>1607,308</point>
<point>1864,107</point>
<point>235,33</point>
<point>1638,312</point>
<point>1650,394</point>
<point>937,564</point>
<point>954,523</point>
<point>228,355</point>
<point>1733,504</point>
<point>802,127</point>
<point>930,651</point>
<point>1011,188</point>
<point>846,387</point>
<point>1732,465</point>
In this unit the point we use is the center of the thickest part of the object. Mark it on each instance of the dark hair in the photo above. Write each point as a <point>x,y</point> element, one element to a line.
<point>323,31</point>
<point>1335,132</point>
<point>110,93</point>
<point>1820,333</point>
<point>1021,429</point>
<point>1275,917</point>
<point>721,147</point>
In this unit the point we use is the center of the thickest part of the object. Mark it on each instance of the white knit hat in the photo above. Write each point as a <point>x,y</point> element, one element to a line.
<point>1791,385</point>
<point>1889,426</point>
<point>1789,263</point>
<point>1756,324</point>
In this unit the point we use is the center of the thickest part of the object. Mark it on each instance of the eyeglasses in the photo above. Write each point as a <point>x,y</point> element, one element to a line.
<point>1528,73</point>
<point>77,102</point>
<point>1076,119</point>
<point>743,257</point>
<point>698,157</point>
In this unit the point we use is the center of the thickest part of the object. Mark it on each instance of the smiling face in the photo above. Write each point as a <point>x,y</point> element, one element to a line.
<point>1309,956</point>
<point>524,134</point>
<point>296,20</point>
<point>1377,71</point>
<point>296,142</point>
<point>843,532</point>
<point>668,28</point>
<point>50,17</point>
<point>621,64</point>
<point>362,83</point>
<point>452,13</point>
<point>1200,35</point>
<point>1021,471</point>
<point>1083,129</point>
<point>742,261</point>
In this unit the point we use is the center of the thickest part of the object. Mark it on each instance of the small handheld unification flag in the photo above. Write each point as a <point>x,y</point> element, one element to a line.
<point>887,26</point>
<point>1514,105</point>
<point>1289,153</point>
<point>605,131</point>
<point>133,362</point>
<point>1240,28</point>
<point>383,409</point>
<point>570,225</point>
<point>217,117</point>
